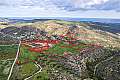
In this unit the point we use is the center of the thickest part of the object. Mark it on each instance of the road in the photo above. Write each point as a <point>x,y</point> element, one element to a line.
<point>102,62</point>
<point>40,69</point>
<point>11,70</point>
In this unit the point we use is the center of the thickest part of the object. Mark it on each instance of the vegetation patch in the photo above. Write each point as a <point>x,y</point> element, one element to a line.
<point>8,51</point>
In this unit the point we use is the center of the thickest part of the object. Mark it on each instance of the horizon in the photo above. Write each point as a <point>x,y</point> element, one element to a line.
<point>35,17</point>
<point>101,20</point>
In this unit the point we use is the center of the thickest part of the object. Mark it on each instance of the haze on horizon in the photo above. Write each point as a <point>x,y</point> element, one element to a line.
<point>61,8</point>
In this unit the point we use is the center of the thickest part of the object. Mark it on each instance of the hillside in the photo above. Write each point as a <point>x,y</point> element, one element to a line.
<point>57,49</point>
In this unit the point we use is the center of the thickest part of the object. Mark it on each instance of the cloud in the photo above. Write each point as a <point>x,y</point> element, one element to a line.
<point>73,8</point>
<point>75,5</point>
<point>109,5</point>
<point>78,4</point>
<point>70,5</point>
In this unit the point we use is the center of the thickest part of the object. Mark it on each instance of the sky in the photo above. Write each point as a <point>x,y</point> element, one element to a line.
<point>60,8</point>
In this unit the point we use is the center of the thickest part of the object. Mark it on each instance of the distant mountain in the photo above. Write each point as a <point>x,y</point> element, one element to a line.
<point>102,20</point>
<point>22,20</point>
<point>4,20</point>
<point>109,27</point>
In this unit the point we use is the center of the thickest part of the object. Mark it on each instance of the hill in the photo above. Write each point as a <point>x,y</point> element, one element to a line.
<point>57,49</point>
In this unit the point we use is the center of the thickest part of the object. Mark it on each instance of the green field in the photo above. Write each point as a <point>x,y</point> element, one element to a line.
<point>28,69</point>
<point>57,49</point>
<point>8,51</point>
<point>26,55</point>
<point>42,75</point>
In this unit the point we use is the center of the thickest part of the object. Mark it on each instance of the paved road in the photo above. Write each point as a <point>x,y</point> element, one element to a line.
<point>11,70</point>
